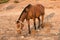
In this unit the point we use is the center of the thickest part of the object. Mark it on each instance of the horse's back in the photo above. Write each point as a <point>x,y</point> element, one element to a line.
<point>35,11</point>
<point>39,10</point>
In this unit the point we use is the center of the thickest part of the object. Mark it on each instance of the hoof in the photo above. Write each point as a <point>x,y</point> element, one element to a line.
<point>29,32</point>
<point>38,27</point>
<point>35,28</point>
<point>42,26</point>
<point>33,31</point>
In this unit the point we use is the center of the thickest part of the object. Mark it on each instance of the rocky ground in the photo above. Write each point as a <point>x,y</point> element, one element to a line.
<point>10,12</point>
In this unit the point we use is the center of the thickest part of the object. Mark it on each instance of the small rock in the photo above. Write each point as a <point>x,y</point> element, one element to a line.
<point>22,36</point>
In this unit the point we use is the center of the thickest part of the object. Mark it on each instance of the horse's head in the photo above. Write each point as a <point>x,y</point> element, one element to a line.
<point>19,26</point>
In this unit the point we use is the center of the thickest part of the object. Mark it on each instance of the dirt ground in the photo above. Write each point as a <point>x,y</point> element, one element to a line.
<point>10,12</point>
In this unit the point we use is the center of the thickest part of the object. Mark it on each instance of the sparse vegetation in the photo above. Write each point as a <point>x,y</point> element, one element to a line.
<point>3,1</point>
<point>53,0</point>
<point>16,1</point>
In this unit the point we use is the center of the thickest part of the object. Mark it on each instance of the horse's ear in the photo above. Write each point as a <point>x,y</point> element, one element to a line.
<point>17,22</point>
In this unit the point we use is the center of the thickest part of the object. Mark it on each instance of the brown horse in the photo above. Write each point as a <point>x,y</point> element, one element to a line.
<point>30,12</point>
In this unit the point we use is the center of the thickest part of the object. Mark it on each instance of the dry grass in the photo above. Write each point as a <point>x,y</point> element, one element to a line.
<point>8,18</point>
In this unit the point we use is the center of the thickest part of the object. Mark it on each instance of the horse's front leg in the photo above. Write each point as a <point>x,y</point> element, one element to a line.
<point>29,26</point>
<point>34,23</point>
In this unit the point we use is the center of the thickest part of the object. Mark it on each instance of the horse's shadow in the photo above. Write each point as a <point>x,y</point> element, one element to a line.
<point>48,17</point>
<point>47,21</point>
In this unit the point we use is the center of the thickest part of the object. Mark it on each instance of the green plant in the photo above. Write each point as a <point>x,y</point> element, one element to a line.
<point>3,1</point>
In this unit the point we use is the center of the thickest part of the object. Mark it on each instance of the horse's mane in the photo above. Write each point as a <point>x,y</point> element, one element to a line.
<point>28,6</point>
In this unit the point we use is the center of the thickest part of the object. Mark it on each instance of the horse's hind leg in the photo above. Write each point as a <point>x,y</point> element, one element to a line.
<point>34,24</point>
<point>29,26</point>
<point>42,21</point>
<point>38,23</point>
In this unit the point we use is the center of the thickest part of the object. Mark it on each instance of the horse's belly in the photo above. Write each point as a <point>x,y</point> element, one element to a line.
<point>37,14</point>
<point>30,17</point>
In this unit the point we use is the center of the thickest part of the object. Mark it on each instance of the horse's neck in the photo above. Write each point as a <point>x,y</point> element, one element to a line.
<point>23,16</point>
<point>21,19</point>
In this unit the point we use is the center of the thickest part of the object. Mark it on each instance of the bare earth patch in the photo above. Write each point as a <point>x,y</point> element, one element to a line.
<point>8,18</point>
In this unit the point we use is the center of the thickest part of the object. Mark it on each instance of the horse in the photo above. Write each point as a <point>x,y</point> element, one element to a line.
<point>30,12</point>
